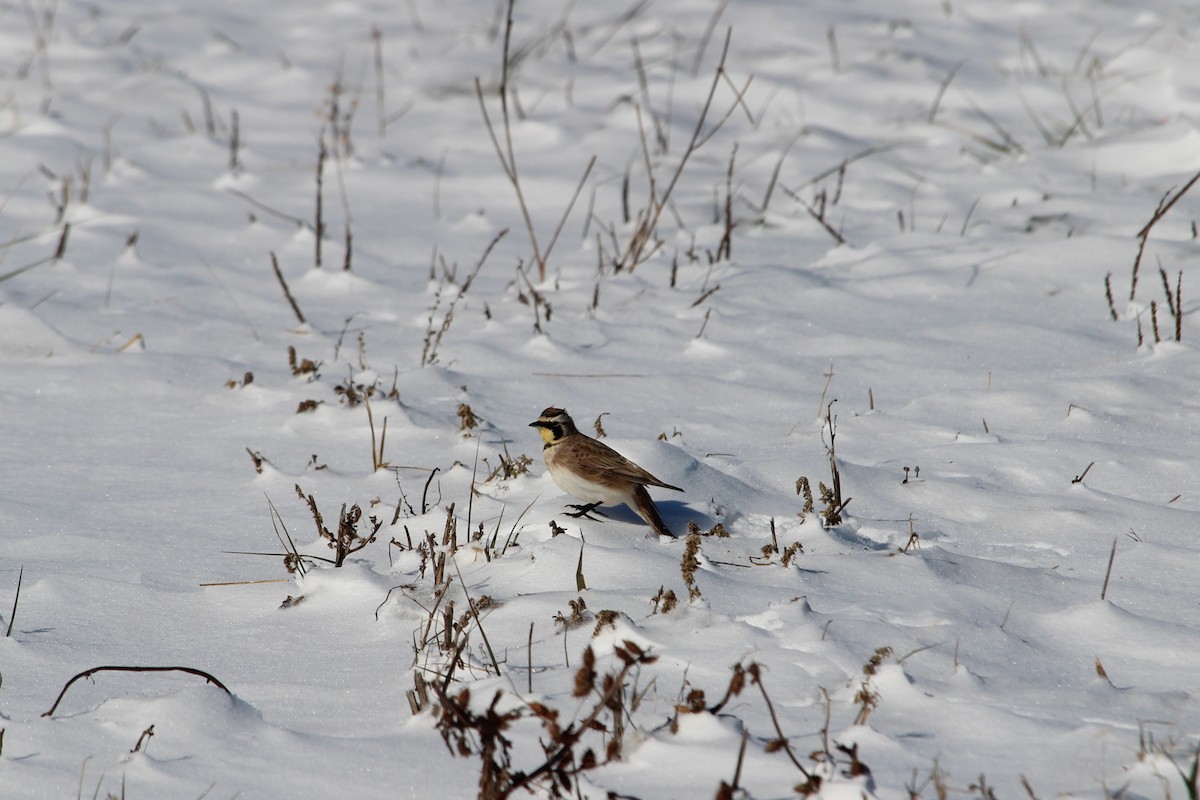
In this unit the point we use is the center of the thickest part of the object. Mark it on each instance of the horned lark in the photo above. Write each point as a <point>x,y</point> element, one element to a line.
<point>594,472</point>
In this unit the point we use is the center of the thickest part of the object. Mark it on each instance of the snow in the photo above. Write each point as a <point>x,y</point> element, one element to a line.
<point>999,162</point>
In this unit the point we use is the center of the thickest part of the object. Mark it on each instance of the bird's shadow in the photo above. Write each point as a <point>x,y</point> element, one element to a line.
<point>678,515</point>
<point>675,514</point>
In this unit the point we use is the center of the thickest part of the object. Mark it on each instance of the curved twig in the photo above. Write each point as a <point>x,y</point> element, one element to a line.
<point>94,670</point>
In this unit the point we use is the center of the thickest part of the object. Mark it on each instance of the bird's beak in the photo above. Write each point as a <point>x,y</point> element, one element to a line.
<point>537,424</point>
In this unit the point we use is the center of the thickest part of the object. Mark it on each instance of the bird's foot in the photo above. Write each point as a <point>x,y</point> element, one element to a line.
<point>586,511</point>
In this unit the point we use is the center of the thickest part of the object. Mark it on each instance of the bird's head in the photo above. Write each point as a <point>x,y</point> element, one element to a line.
<point>553,424</point>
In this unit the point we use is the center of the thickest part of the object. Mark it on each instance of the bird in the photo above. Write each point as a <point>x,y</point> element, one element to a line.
<point>595,473</point>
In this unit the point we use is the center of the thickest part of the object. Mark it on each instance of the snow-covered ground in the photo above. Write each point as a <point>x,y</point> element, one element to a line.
<point>895,219</point>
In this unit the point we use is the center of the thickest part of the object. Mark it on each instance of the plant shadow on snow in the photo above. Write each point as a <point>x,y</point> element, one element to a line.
<point>847,533</point>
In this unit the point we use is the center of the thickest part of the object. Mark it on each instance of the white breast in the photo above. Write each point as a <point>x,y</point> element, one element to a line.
<point>585,490</point>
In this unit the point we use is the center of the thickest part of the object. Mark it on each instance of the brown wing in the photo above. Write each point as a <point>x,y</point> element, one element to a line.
<point>608,461</point>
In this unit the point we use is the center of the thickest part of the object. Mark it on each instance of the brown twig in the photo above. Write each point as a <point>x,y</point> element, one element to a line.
<point>636,250</point>
<point>380,99</point>
<point>319,223</point>
<point>286,291</point>
<point>89,673</point>
<point>16,599</point>
<point>945,84</point>
<point>1143,235</point>
<point>1108,295</point>
<point>1108,572</point>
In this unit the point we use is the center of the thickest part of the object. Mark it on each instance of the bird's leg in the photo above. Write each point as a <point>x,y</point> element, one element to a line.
<point>585,511</point>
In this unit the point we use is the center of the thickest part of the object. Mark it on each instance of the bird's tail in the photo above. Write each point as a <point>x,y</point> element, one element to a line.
<point>645,509</point>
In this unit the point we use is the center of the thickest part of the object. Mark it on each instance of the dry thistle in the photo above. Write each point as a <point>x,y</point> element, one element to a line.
<point>585,676</point>
<point>347,540</point>
<point>302,367</point>
<point>605,618</point>
<point>803,488</point>
<point>467,421</point>
<point>914,538</point>
<point>246,380</point>
<point>866,696</point>
<point>1108,295</point>
<point>830,513</point>
<point>578,616</point>
<point>664,601</point>
<point>690,564</point>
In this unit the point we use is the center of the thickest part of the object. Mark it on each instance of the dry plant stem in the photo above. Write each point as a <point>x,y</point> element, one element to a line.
<point>636,253</point>
<point>349,247</point>
<point>266,209</point>
<point>1167,288</point>
<point>1077,123</point>
<point>376,454</point>
<point>639,68</point>
<point>836,476</point>
<point>566,213</point>
<point>41,29</point>
<point>508,163</point>
<point>292,558</point>
<point>945,84</point>
<point>756,677</point>
<point>1108,572</point>
<point>319,226</point>
<point>1009,143</point>
<point>707,37</point>
<point>580,581</point>
<point>16,599</point>
<point>572,735</point>
<point>471,494</point>
<point>529,653</point>
<point>727,791</point>
<point>94,670</point>
<point>725,248</point>
<point>831,38</point>
<point>61,250</point>
<point>433,339</point>
<point>425,492</point>
<point>380,104</point>
<point>829,376</point>
<point>14,273</point>
<point>820,217</point>
<point>1143,235</point>
<point>286,291</point>
<point>967,219</point>
<point>1179,307</point>
<point>475,613</point>
<point>1047,136</point>
<point>774,180</point>
<point>506,159</point>
<point>739,96</point>
<point>142,741</point>
<point>235,163</point>
<point>507,153</point>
